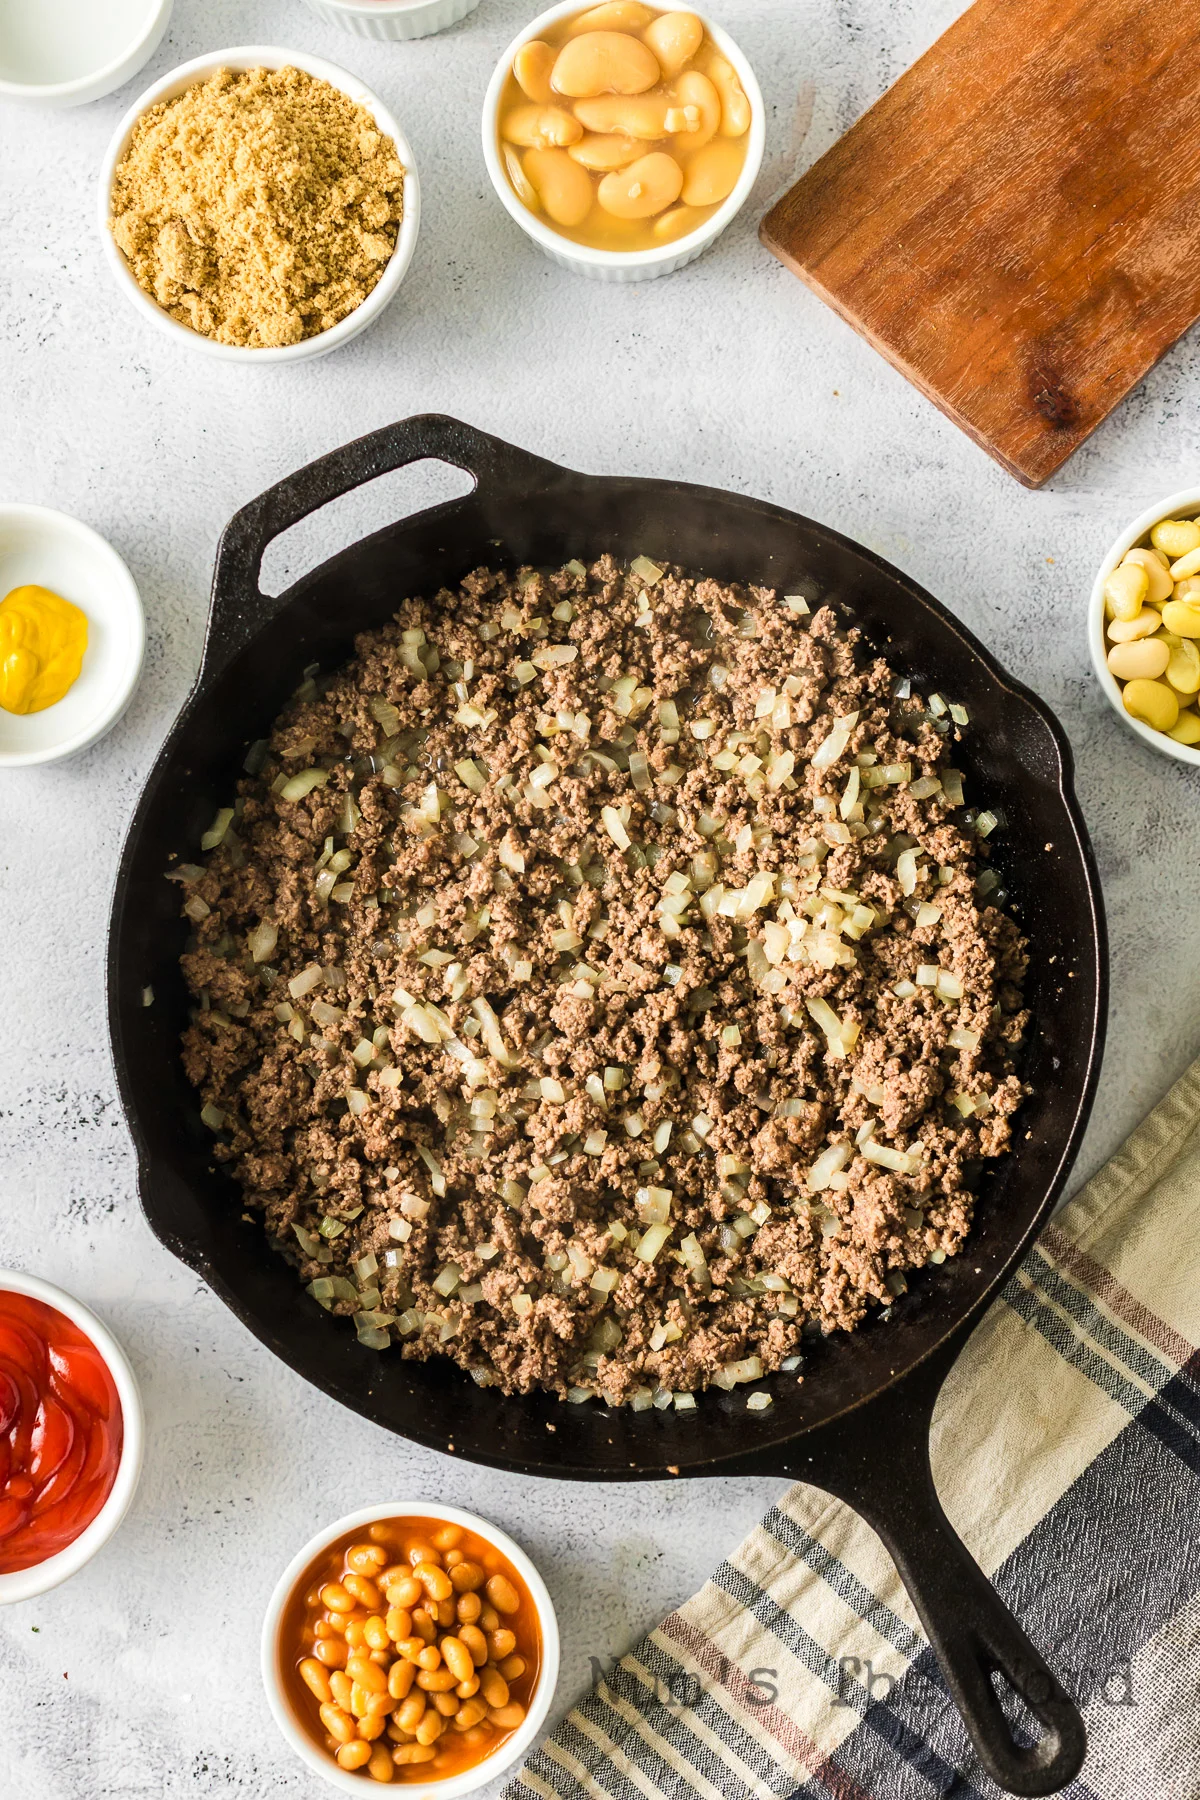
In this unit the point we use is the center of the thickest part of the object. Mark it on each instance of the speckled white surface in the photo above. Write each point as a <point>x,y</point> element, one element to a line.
<point>139,1678</point>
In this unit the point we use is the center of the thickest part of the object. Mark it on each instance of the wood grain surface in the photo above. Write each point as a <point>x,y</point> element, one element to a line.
<point>1016,223</point>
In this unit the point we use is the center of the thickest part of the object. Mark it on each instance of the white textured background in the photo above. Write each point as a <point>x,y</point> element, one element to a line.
<point>139,1678</point>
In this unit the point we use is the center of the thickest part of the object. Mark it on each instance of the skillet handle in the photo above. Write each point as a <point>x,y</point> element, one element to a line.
<point>239,607</point>
<point>881,1468</point>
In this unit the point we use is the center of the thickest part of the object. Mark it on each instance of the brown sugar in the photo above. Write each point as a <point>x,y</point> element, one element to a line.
<point>260,207</point>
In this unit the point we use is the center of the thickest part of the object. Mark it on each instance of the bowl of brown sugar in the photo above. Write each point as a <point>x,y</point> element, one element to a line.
<point>259,204</point>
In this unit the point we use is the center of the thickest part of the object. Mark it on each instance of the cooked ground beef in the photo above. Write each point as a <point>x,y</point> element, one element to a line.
<point>594,983</point>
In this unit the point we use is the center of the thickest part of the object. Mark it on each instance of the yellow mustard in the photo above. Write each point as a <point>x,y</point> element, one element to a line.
<point>42,641</point>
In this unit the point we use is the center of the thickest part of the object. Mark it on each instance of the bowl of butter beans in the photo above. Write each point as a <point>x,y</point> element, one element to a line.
<point>410,1645</point>
<point>623,138</point>
<point>1144,627</point>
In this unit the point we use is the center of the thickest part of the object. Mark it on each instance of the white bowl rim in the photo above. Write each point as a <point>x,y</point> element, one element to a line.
<point>265,56</point>
<point>79,84</point>
<point>587,254</point>
<point>453,1786</point>
<point>100,548</point>
<point>27,1584</point>
<point>1186,499</point>
<point>374,8</point>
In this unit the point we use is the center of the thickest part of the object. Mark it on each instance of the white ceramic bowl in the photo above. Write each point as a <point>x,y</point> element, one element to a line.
<point>48,549</point>
<point>392,19</point>
<point>454,1786</point>
<point>65,52</point>
<point>621,265</point>
<point>26,1584</point>
<point>255,56</point>
<point>1182,505</point>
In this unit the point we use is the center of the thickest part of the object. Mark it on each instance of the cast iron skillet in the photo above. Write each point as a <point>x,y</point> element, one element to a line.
<point>858,1424</point>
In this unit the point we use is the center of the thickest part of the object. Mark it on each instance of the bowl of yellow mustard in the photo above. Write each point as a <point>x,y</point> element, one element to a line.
<point>72,636</point>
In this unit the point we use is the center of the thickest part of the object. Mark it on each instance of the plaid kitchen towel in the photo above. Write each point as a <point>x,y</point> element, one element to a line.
<point>1066,1449</point>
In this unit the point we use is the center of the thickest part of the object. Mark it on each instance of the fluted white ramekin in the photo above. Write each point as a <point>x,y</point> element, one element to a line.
<point>621,265</point>
<point>392,18</point>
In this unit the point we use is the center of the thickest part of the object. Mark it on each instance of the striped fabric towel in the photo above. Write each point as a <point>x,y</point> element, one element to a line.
<point>1067,1454</point>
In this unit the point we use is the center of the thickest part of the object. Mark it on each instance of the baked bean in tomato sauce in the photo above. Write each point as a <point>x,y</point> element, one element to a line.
<point>410,1649</point>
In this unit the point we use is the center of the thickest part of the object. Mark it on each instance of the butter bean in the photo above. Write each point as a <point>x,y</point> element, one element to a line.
<point>447,1537</point>
<point>1183,666</point>
<point>489,1618</point>
<point>712,173</point>
<point>431,1728</point>
<point>531,66</point>
<point>1187,565</point>
<point>372,1727</point>
<point>604,62</point>
<point>337,1598</point>
<point>1153,702</point>
<point>561,185</point>
<point>676,223</point>
<point>447,1704</point>
<point>614,15</point>
<point>674,38</point>
<point>525,191</point>
<point>1145,661</point>
<point>1176,537</point>
<point>602,151</point>
<point>1157,571</point>
<point>332,1652</point>
<point>423,1626</point>
<point>468,1608</point>
<point>513,1667</point>
<point>367,1673</point>
<point>541,127</point>
<point>1189,590</point>
<point>471,1712</point>
<point>476,1643</point>
<point>1127,631</point>
<point>376,1634</point>
<point>1125,590</point>
<point>1186,729</point>
<point>421,1552</point>
<point>629,115</point>
<point>502,1643</point>
<point>1182,617</point>
<point>466,1690</point>
<point>434,1580</point>
<point>698,97</point>
<point>646,187</point>
<point>507,1717</point>
<point>353,1755</point>
<point>430,1659</point>
<point>413,1753</point>
<point>342,1689</point>
<point>735,107</point>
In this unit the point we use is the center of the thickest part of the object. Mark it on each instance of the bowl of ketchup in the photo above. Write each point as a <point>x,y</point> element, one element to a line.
<point>70,1436</point>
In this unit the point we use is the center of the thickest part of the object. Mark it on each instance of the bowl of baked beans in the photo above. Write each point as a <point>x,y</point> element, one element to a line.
<point>411,1645</point>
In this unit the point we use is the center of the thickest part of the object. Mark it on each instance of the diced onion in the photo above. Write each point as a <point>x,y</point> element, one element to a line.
<point>303,784</point>
<point>652,1242</point>
<point>611,820</point>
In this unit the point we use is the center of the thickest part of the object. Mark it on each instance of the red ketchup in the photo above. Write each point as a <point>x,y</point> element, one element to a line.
<point>60,1432</point>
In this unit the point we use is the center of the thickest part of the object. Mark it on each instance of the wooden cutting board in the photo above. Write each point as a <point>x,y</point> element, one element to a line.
<point>1016,224</point>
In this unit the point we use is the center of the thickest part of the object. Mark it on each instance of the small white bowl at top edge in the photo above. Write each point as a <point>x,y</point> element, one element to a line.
<point>1186,504</point>
<point>77,90</point>
<point>453,1787</point>
<point>392,20</point>
<point>622,265</point>
<point>255,56</point>
<point>44,548</point>
<point>27,1584</point>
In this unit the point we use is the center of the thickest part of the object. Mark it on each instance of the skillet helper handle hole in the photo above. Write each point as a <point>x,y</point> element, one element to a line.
<point>240,607</point>
<point>1026,1728</point>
